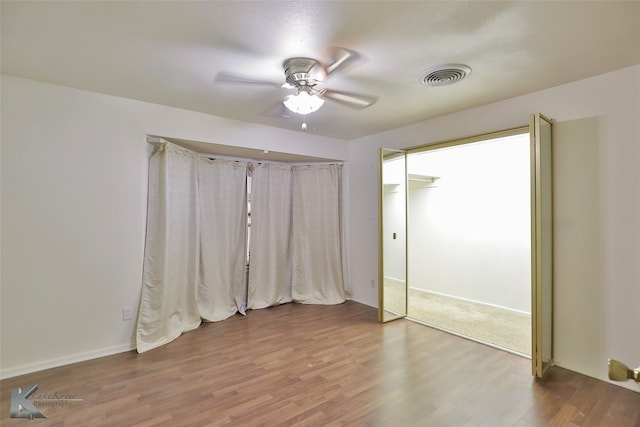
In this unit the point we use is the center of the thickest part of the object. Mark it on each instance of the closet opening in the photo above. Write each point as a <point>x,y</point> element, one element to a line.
<point>469,240</point>
<point>466,238</point>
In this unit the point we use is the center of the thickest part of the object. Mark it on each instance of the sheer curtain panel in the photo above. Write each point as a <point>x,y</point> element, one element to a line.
<point>317,274</point>
<point>270,243</point>
<point>196,258</point>
<point>194,262</point>
<point>222,186</point>
<point>168,304</point>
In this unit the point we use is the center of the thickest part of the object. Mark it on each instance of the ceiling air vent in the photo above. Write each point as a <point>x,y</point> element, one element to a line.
<point>443,75</point>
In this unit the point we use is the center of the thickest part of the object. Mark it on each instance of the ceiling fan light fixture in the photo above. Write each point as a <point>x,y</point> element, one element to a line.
<point>303,102</point>
<point>444,75</point>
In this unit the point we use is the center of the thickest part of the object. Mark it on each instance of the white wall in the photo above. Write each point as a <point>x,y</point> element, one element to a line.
<point>470,233</point>
<point>74,168</point>
<point>74,185</point>
<point>597,206</point>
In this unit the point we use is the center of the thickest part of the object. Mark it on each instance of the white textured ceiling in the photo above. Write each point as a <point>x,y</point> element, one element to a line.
<point>169,52</point>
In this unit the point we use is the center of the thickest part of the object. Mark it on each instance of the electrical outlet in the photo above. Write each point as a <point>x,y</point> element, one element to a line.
<point>127,314</point>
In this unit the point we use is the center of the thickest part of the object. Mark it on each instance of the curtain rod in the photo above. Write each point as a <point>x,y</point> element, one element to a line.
<point>154,140</point>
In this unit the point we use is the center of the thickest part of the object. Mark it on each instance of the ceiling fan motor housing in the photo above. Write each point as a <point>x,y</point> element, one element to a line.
<point>296,71</point>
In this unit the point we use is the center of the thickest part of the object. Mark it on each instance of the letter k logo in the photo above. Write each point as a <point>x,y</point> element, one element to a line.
<point>21,407</point>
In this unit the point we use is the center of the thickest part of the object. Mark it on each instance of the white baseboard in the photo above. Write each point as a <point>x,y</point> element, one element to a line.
<point>473,301</point>
<point>61,361</point>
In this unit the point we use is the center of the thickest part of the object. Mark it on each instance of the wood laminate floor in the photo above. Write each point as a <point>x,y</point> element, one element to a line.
<point>310,365</point>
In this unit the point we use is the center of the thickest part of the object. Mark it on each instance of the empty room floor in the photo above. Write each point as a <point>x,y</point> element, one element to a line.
<point>313,365</point>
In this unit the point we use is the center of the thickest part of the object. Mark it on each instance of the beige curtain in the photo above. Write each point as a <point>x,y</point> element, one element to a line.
<point>317,274</point>
<point>195,252</point>
<point>223,226</point>
<point>270,246</point>
<point>194,259</point>
<point>168,304</point>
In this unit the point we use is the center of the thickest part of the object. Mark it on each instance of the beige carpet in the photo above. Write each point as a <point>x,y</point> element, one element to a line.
<point>500,327</point>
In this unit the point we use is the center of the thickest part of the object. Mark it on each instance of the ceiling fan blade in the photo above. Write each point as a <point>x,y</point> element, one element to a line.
<point>224,77</point>
<point>351,100</point>
<point>340,59</point>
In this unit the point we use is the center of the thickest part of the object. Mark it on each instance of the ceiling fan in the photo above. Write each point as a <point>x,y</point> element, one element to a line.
<point>306,76</point>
